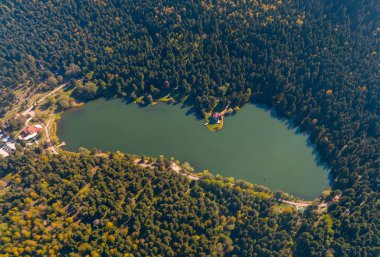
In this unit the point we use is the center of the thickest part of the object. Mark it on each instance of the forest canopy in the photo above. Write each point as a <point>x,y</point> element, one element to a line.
<point>104,205</point>
<point>315,62</point>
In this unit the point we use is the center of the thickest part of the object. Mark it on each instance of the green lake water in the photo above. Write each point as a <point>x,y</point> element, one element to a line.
<point>252,146</point>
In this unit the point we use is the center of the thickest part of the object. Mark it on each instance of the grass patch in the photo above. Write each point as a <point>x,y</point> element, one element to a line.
<point>166,99</point>
<point>213,127</point>
<point>283,208</point>
<point>183,100</point>
<point>18,92</point>
<point>139,100</point>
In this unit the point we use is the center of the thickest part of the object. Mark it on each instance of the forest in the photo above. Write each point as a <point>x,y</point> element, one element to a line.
<point>96,205</point>
<point>315,62</point>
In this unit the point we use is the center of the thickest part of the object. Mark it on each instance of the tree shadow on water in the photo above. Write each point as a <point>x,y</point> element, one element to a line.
<point>291,125</point>
<point>193,112</point>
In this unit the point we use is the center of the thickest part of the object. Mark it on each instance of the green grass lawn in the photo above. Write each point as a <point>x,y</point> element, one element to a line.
<point>139,100</point>
<point>18,92</point>
<point>213,127</point>
<point>166,99</point>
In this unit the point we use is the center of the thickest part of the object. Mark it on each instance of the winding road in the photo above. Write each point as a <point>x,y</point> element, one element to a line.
<point>30,112</point>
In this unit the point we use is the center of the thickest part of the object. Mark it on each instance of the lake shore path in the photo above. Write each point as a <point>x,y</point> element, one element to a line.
<point>174,166</point>
<point>178,169</point>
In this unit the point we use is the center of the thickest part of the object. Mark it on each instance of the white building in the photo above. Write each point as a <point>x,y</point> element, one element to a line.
<point>3,153</point>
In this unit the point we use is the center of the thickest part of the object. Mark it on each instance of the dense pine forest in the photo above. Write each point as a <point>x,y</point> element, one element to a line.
<point>79,205</point>
<point>315,62</point>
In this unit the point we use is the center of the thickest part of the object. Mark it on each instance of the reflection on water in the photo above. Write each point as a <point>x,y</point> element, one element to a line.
<point>253,145</point>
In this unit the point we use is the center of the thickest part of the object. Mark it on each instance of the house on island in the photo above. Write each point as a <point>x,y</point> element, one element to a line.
<point>30,132</point>
<point>215,118</point>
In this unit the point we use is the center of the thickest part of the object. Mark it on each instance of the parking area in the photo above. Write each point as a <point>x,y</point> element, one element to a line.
<point>7,145</point>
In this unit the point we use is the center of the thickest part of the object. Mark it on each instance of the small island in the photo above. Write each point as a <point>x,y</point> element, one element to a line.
<point>215,120</point>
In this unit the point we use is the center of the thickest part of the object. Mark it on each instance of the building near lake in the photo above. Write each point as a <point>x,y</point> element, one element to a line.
<point>215,118</point>
<point>3,153</point>
<point>30,132</point>
<point>7,147</point>
<point>11,146</point>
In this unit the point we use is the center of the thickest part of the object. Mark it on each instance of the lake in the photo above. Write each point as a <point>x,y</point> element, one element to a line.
<point>253,145</point>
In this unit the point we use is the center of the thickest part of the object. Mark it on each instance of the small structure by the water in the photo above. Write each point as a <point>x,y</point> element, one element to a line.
<point>30,132</point>
<point>215,118</point>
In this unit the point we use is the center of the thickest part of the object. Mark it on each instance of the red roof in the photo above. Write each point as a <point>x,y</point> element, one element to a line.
<point>216,115</point>
<point>32,129</point>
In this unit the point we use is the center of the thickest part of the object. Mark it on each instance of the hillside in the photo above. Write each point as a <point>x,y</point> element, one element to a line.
<point>99,205</point>
<point>315,62</point>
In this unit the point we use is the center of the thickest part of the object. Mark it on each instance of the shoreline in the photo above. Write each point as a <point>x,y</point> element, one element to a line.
<point>77,105</point>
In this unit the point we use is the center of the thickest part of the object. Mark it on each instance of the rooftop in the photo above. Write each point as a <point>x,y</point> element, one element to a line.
<point>32,129</point>
<point>216,115</point>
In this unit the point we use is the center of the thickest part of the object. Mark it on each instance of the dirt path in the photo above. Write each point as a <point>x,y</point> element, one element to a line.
<point>296,204</point>
<point>305,204</point>
<point>341,151</point>
<point>51,146</point>
<point>60,145</point>
<point>27,121</point>
<point>178,169</point>
<point>30,112</point>
<point>174,167</point>
<point>52,92</point>
<point>225,110</point>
